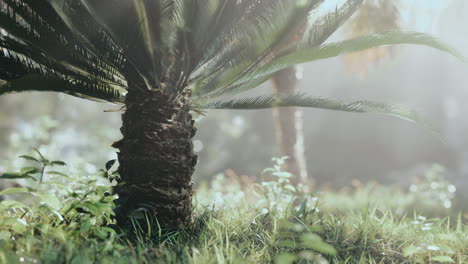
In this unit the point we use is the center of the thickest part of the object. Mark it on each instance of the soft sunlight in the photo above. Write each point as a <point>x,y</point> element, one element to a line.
<point>233,131</point>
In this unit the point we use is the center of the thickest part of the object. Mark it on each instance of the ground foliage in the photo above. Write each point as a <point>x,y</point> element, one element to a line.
<point>53,216</point>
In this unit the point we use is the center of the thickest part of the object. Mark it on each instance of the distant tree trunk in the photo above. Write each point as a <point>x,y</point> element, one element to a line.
<point>156,158</point>
<point>288,125</point>
<point>4,118</point>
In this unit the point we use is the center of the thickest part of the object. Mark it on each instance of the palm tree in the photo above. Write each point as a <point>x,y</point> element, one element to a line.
<point>288,123</point>
<point>374,16</point>
<point>162,59</point>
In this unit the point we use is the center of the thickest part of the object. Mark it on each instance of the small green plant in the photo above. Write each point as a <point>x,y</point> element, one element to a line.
<point>297,239</point>
<point>438,250</point>
<point>29,172</point>
<point>299,242</point>
<point>434,190</point>
<point>68,207</point>
<point>68,219</point>
<point>226,192</point>
<point>278,194</point>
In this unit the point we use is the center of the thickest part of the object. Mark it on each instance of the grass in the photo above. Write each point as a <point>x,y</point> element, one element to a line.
<point>68,219</point>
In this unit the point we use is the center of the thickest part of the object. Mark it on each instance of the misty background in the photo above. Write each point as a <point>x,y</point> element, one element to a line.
<point>340,147</point>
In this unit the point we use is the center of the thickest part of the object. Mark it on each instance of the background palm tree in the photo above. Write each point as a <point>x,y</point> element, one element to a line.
<point>288,123</point>
<point>374,16</point>
<point>162,59</point>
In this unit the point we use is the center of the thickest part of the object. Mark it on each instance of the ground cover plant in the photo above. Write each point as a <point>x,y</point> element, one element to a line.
<point>67,218</point>
<point>164,60</point>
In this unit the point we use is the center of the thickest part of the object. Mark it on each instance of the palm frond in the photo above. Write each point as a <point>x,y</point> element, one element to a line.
<point>237,23</point>
<point>314,28</point>
<point>253,41</point>
<point>48,34</point>
<point>302,100</point>
<point>131,25</point>
<point>214,47</point>
<point>37,48</point>
<point>20,73</point>
<point>52,83</point>
<point>313,53</point>
<point>321,25</point>
<point>89,32</point>
<point>213,19</point>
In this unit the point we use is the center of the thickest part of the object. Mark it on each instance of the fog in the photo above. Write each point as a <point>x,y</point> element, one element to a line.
<point>343,146</point>
<point>282,185</point>
<point>340,147</point>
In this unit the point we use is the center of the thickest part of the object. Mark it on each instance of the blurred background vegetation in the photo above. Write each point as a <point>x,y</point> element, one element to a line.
<point>341,149</point>
<point>386,190</point>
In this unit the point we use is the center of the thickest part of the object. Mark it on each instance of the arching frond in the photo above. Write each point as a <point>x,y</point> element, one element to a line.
<point>253,41</point>
<point>100,49</point>
<point>132,25</point>
<point>302,100</point>
<point>38,48</point>
<point>51,83</point>
<point>314,28</point>
<point>321,24</point>
<point>313,53</point>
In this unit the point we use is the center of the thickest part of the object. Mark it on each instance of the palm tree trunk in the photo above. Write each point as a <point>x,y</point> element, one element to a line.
<point>288,126</point>
<point>156,158</point>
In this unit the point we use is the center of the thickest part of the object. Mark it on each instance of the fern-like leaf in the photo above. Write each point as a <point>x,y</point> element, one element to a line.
<point>39,51</point>
<point>302,100</point>
<point>313,53</point>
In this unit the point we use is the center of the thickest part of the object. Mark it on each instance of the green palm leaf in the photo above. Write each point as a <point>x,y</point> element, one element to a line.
<point>302,100</point>
<point>100,49</point>
<point>312,53</point>
<point>39,52</point>
<point>253,40</point>
<point>316,30</point>
<point>35,82</point>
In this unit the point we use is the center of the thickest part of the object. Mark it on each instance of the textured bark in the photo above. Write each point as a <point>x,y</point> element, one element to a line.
<point>156,158</point>
<point>288,126</point>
